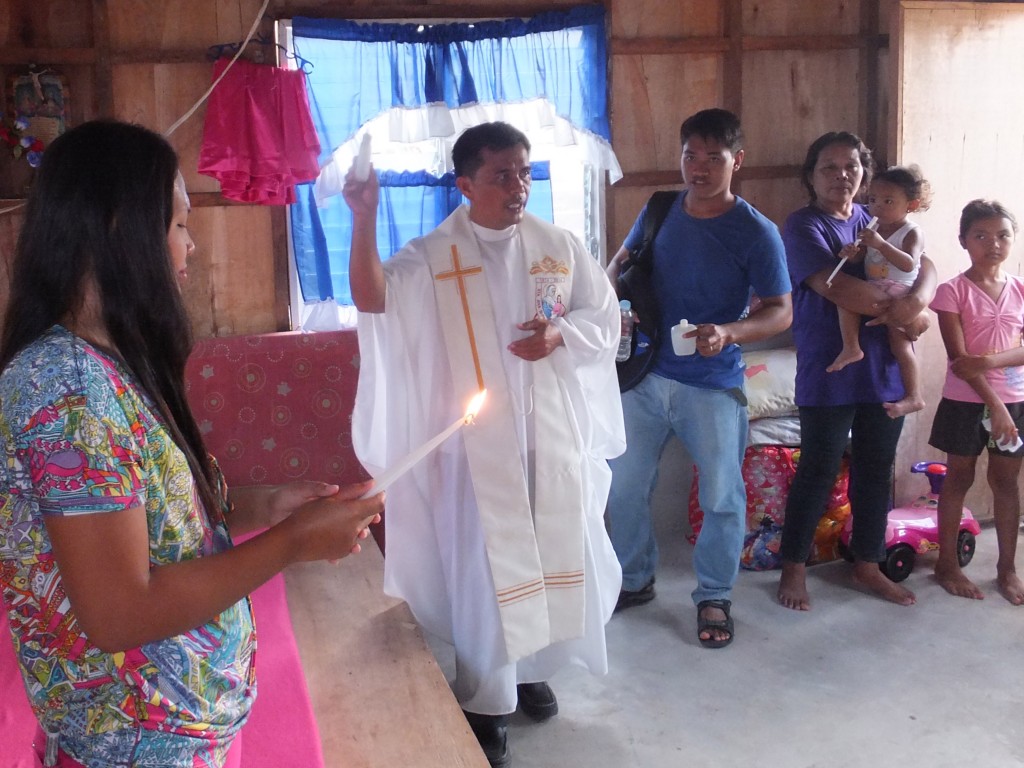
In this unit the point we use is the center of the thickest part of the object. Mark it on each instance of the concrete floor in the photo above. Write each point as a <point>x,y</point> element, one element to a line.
<point>855,682</point>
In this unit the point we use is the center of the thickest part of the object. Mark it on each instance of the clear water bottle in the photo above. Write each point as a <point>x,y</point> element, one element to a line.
<point>626,334</point>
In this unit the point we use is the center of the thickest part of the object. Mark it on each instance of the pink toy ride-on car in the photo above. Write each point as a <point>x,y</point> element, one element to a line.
<point>914,530</point>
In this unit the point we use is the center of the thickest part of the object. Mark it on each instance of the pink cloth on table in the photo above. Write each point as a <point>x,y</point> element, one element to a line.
<point>258,135</point>
<point>18,725</point>
<point>281,729</point>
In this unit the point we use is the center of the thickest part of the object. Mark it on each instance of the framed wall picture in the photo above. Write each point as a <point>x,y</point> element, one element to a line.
<point>39,98</point>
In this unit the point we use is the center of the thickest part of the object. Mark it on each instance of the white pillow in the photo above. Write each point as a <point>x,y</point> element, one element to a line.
<point>770,382</point>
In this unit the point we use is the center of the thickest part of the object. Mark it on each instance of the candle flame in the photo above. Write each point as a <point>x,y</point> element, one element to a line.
<point>474,406</point>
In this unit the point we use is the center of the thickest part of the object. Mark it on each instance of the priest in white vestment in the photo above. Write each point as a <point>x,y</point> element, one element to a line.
<point>496,540</point>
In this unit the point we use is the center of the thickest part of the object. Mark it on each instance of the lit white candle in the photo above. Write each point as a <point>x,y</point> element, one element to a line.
<point>871,225</point>
<point>408,462</point>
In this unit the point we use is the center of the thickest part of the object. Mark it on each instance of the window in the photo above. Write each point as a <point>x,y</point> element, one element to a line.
<point>414,87</point>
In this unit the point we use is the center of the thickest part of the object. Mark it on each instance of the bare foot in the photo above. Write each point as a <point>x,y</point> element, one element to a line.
<point>793,587</point>
<point>844,359</point>
<point>903,407</point>
<point>952,579</point>
<point>871,578</point>
<point>1011,588</point>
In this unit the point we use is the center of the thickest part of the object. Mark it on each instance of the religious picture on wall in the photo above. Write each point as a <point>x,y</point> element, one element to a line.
<point>39,100</point>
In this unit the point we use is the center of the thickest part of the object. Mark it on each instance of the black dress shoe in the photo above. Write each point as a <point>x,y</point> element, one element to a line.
<point>642,596</point>
<point>492,733</point>
<point>537,700</point>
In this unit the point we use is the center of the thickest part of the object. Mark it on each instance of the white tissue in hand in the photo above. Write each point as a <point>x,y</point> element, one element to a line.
<point>361,166</point>
<point>1002,445</point>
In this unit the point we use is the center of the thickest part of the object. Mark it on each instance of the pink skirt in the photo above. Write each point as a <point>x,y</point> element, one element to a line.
<point>258,135</point>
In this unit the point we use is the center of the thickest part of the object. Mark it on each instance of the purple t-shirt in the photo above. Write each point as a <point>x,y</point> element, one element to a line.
<point>813,240</point>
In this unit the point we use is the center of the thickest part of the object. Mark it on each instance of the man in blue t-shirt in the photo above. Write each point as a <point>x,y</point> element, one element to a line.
<point>712,252</point>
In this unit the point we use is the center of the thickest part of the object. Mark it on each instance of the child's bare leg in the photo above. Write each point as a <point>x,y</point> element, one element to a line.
<point>1002,479</point>
<point>959,478</point>
<point>903,351</point>
<point>849,326</point>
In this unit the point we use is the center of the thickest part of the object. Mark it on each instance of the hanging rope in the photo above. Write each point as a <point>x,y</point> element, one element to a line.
<point>205,96</point>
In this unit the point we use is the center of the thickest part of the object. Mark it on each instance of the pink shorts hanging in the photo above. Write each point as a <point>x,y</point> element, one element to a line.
<point>258,136</point>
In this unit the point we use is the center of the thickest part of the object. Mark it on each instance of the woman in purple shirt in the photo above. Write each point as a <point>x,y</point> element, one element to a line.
<point>847,405</point>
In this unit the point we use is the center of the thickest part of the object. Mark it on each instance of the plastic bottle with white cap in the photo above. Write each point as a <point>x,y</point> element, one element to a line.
<point>626,334</point>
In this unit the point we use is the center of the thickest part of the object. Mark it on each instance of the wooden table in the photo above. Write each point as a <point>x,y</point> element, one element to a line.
<point>379,696</point>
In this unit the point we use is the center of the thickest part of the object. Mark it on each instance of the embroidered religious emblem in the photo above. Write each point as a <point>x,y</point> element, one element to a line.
<point>551,284</point>
<point>459,274</point>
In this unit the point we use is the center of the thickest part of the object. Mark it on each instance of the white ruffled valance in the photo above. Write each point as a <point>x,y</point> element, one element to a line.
<point>422,138</point>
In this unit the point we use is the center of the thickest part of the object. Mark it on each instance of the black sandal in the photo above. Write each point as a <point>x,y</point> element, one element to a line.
<point>704,624</point>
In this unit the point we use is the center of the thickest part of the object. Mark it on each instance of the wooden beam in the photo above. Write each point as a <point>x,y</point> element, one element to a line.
<point>103,96</point>
<point>211,200</point>
<point>282,293</point>
<point>151,56</point>
<point>732,87</point>
<point>654,46</point>
<point>22,56</point>
<point>869,87</point>
<point>284,9</point>
<point>671,178</point>
<point>813,42</point>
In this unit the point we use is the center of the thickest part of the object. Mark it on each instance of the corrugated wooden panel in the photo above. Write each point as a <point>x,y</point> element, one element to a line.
<point>183,24</point>
<point>45,23</point>
<point>10,225</point>
<point>775,198</point>
<point>785,17</point>
<point>651,95</point>
<point>791,97</point>
<point>230,288</point>
<point>666,18</point>
<point>628,203</point>
<point>156,95</point>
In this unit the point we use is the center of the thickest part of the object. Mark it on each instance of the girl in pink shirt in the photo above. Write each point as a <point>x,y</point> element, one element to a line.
<point>981,317</point>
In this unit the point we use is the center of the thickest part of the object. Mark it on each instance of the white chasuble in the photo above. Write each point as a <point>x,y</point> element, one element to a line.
<point>443,558</point>
<point>535,549</point>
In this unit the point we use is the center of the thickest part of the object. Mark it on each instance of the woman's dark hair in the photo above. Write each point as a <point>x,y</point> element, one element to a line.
<point>496,136</point>
<point>845,138</point>
<point>979,209</point>
<point>100,208</point>
<point>909,178</point>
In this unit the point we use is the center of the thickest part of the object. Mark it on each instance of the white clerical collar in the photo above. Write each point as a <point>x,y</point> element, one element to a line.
<point>493,235</point>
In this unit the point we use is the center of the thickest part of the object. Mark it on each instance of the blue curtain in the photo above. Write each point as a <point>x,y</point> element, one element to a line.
<point>412,203</point>
<point>362,70</point>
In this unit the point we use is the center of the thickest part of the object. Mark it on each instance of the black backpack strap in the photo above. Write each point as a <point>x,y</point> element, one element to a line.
<point>657,209</point>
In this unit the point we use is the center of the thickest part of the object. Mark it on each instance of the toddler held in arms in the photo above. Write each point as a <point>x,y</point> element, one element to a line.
<point>892,258</point>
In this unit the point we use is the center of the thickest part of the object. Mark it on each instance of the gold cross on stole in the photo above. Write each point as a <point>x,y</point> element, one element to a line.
<point>458,273</point>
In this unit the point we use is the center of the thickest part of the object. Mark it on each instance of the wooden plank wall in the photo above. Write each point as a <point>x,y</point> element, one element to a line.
<point>958,124</point>
<point>792,69</point>
<point>776,62</point>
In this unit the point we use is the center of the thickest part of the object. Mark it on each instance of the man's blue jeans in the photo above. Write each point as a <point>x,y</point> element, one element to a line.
<point>712,424</point>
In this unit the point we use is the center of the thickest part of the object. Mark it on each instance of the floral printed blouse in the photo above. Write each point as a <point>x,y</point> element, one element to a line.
<point>80,438</point>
